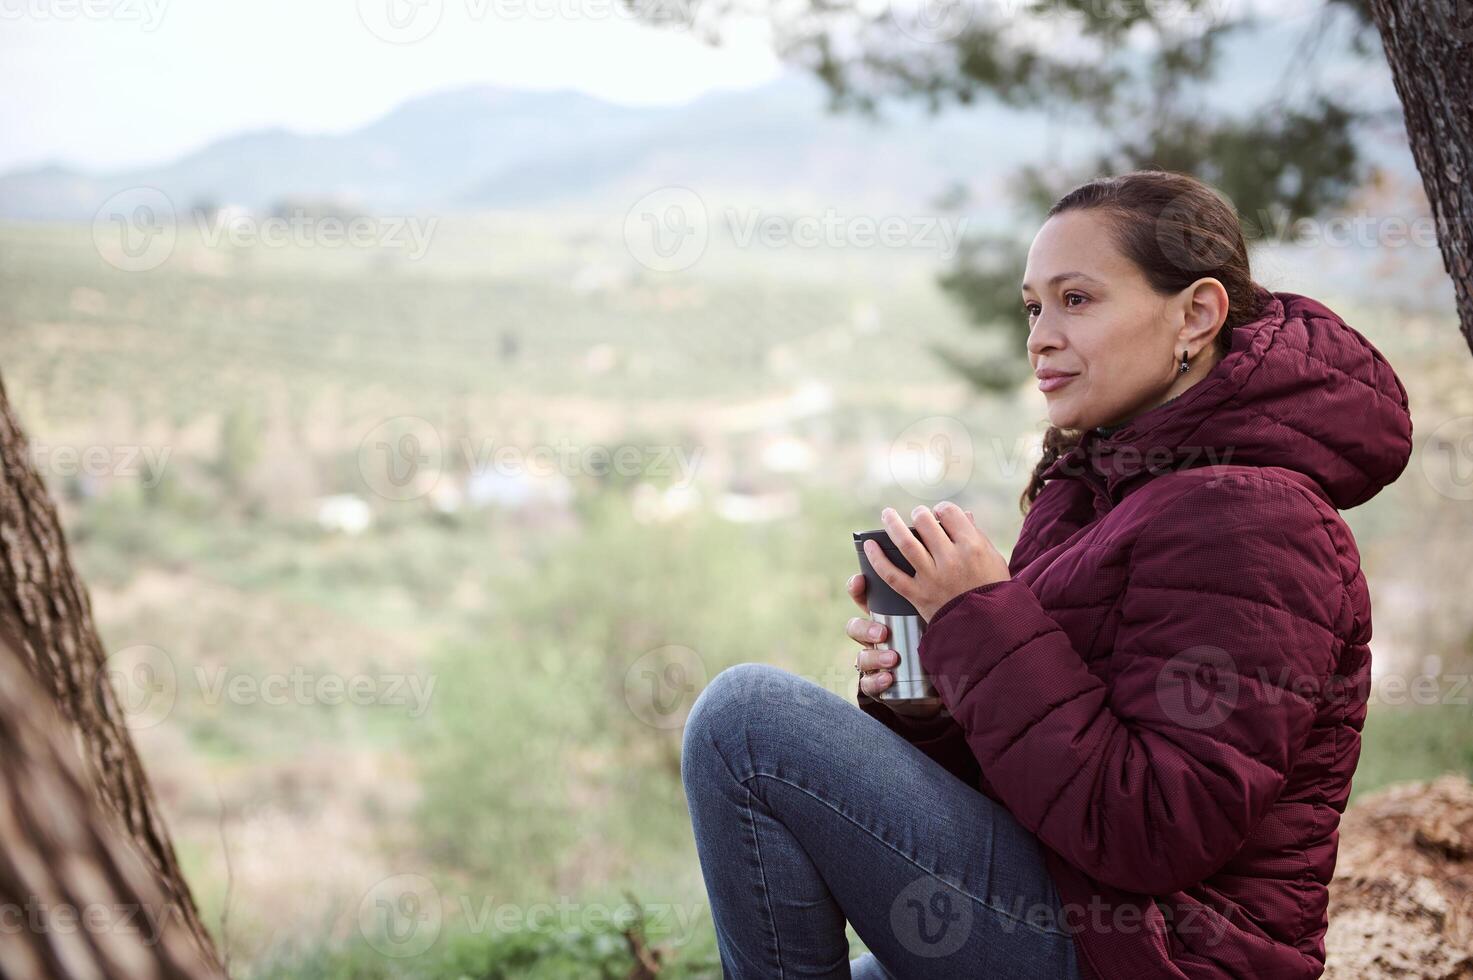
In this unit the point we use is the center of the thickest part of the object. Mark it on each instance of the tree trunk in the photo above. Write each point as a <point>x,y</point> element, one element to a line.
<point>76,901</point>
<point>46,619</point>
<point>1429,44</point>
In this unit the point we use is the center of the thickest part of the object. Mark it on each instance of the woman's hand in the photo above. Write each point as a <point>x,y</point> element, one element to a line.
<point>952,556</point>
<point>869,634</point>
<point>874,660</point>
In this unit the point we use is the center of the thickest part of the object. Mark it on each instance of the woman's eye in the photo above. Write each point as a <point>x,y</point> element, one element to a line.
<point>1032,309</point>
<point>1069,298</point>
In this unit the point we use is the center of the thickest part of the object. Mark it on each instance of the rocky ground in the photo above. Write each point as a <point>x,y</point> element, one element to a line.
<point>1401,903</point>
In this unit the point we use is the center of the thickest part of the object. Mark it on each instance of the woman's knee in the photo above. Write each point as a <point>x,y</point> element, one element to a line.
<point>727,700</point>
<point>748,700</point>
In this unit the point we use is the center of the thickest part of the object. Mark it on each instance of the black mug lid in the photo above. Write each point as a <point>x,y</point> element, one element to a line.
<point>878,595</point>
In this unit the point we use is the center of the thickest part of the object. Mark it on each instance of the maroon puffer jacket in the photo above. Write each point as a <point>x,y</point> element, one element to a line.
<point>1169,691</point>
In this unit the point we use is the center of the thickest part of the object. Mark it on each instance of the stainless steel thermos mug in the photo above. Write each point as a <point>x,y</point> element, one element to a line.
<point>888,607</point>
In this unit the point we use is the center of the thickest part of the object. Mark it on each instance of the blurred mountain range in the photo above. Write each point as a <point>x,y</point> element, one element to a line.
<point>777,145</point>
<point>493,148</point>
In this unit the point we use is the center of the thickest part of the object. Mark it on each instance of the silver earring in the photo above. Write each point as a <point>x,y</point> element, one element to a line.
<point>1184,365</point>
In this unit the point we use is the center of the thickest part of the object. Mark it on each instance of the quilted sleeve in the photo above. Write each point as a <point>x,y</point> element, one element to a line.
<point>1227,637</point>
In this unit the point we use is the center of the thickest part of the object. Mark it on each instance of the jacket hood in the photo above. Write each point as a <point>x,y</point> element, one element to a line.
<point>1300,389</point>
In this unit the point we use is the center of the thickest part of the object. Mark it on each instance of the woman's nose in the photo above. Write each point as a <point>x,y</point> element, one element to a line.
<point>1044,336</point>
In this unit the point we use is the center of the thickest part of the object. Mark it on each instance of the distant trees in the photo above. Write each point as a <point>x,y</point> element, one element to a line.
<point>1147,76</point>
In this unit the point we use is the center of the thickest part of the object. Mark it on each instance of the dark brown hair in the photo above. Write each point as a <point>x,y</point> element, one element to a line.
<point>1177,230</point>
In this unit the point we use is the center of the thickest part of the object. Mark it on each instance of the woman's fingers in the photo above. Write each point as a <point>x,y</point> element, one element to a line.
<point>873,684</point>
<point>877,658</point>
<point>932,531</point>
<point>864,630</point>
<point>875,661</point>
<point>857,587</point>
<point>910,546</point>
<point>957,523</point>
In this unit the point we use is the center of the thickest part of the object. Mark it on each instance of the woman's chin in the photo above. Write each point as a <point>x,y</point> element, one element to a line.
<point>1062,417</point>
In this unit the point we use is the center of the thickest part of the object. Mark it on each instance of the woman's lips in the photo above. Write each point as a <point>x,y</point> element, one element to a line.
<point>1056,382</point>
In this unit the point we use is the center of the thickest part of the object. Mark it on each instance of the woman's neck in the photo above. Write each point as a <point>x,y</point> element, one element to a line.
<point>1105,431</point>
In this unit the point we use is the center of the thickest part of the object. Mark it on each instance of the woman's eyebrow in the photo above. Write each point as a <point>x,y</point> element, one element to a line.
<point>1055,280</point>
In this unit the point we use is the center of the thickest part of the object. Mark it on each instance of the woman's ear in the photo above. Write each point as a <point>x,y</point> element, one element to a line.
<point>1204,311</point>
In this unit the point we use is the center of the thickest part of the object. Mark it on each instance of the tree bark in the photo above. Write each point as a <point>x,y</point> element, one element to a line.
<point>76,900</point>
<point>1429,44</point>
<point>46,619</point>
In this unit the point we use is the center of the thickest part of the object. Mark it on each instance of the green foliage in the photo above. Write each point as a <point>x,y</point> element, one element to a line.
<point>1138,72</point>
<point>520,955</point>
<point>541,718</point>
<point>240,445</point>
<point>1414,742</point>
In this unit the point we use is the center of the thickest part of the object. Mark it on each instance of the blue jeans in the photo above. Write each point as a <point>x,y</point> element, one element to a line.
<point>808,812</point>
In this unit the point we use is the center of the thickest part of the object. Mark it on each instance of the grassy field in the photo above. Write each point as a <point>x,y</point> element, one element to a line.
<point>501,760</point>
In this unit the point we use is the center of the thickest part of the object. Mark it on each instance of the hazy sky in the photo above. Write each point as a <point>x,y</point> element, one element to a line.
<point>107,83</point>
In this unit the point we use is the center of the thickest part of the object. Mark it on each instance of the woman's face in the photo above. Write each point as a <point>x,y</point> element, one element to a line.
<point>1094,319</point>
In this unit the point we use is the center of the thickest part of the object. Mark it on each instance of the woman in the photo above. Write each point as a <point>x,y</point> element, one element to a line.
<point>1151,712</point>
